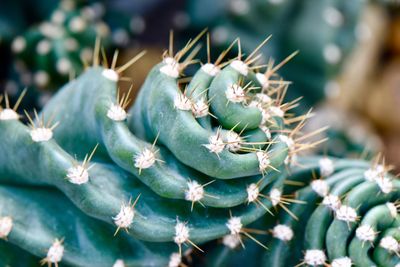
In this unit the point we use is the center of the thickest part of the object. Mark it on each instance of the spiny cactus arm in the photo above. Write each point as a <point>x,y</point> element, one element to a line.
<point>155,217</point>
<point>186,139</point>
<point>377,219</point>
<point>319,221</point>
<point>358,201</point>
<point>366,191</point>
<point>198,87</point>
<point>230,111</point>
<point>384,255</point>
<point>83,107</point>
<point>286,252</point>
<point>322,231</point>
<point>36,157</point>
<point>61,239</point>
<point>102,191</point>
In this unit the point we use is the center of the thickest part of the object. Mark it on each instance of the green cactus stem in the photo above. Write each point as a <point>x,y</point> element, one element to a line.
<point>70,237</point>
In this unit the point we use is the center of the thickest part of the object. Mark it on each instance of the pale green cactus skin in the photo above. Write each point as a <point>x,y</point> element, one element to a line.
<point>114,177</point>
<point>319,228</point>
<point>42,215</point>
<point>163,177</point>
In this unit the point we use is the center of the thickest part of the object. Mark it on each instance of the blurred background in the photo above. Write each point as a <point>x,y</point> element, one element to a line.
<point>347,69</point>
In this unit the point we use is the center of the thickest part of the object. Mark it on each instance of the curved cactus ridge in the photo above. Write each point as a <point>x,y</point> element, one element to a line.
<point>236,171</point>
<point>353,201</point>
<point>109,188</point>
<point>351,216</point>
<point>167,177</point>
<point>93,98</point>
<point>145,188</point>
<point>229,95</point>
<point>71,236</point>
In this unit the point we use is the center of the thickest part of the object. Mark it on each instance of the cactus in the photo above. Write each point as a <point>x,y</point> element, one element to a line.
<point>349,216</point>
<point>71,237</point>
<point>193,160</point>
<point>203,173</point>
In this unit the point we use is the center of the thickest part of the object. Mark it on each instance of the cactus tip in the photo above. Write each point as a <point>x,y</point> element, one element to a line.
<point>54,253</point>
<point>119,263</point>
<point>216,144</point>
<point>347,214</point>
<point>125,217</point>
<point>331,201</point>
<point>235,93</point>
<point>78,175</point>
<point>145,159</point>
<point>110,74</point>
<point>234,225</point>
<point>282,232</point>
<point>116,113</point>
<point>365,233</point>
<point>342,262</point>
<point>195,192</point>
<point>211,69</point>
<point>240,67</point>
<point>175,260</point>
<point>231,241</point>
<point>6,224</point>
<point>263,160</point>
<point>390,244</point>
<point>326,167</point>
<point>314,257</point>
<point>320,187</point>
<point>8,114</point>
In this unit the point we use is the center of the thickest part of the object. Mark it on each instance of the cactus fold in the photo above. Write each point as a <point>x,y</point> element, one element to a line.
<point>192,161</point>
<point>180,178</point>
<point>349,216</point>
<point>85,240</point>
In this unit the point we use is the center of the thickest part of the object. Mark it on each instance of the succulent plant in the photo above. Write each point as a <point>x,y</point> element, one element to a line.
<point>70,237</point>
<point>211,157</point>
<point>349,216</point>
<point>190,169</point>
